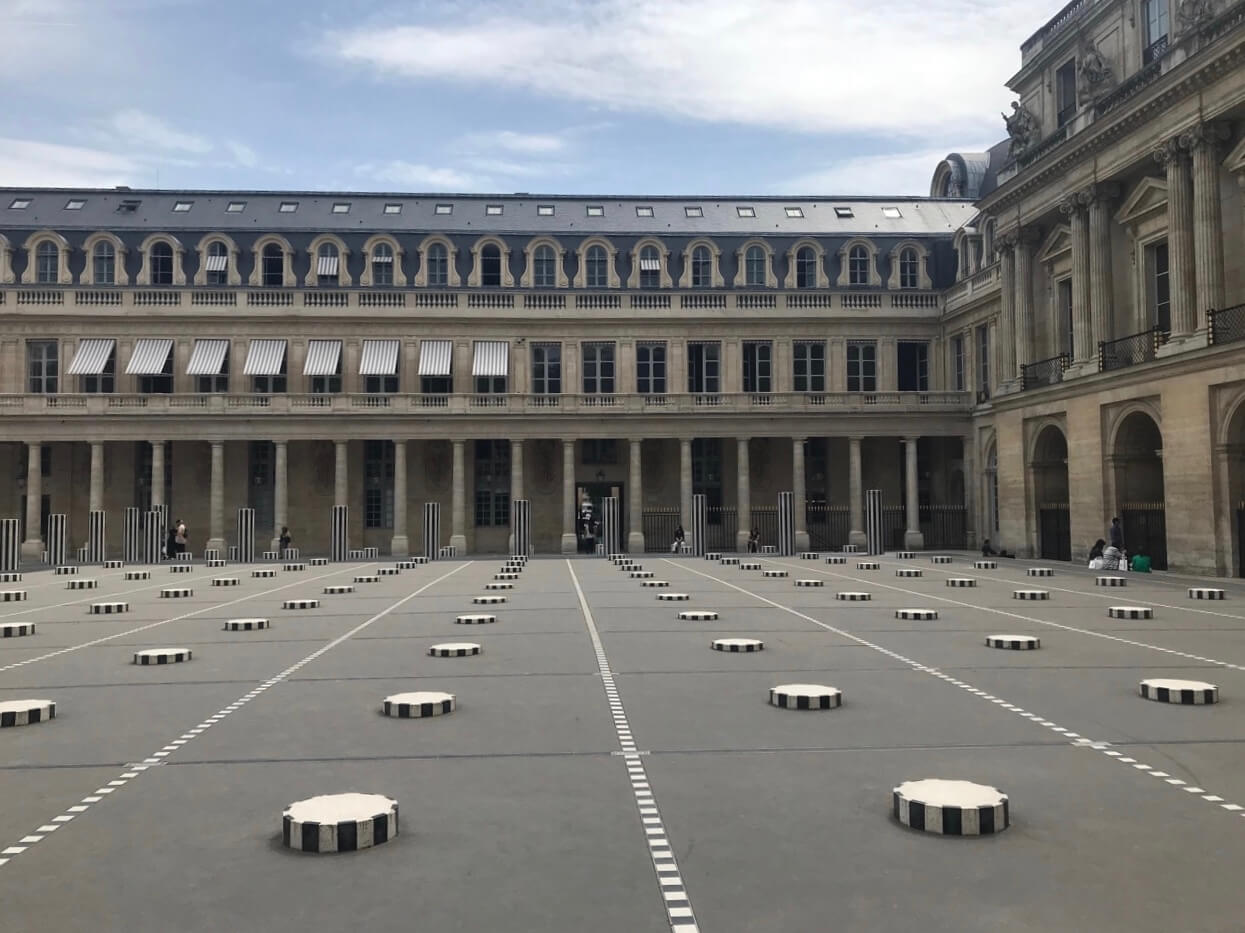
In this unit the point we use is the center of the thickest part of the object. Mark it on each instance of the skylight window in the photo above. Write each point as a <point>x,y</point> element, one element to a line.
<point>746,211</point>
<point>844,213</point>
<point>288,207</point>
<point>643,211</point>
<point>694,211</point>
<point>893,213</point>
<point>596,210</point>
<point>341,207</point>
<point>128,206</point>
<point>19,204</point>
<point>444,209</point>
<point>75,204</point>
<point>544,210</point>
<point>393,208</point>
<point>494,210</point>
<point>795,211</point>
<point>235,207</point>
<point>182,207</point>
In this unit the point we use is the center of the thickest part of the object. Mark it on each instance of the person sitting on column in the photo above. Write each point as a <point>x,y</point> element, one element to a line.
<point>679,538</point>
<point>754,541</point>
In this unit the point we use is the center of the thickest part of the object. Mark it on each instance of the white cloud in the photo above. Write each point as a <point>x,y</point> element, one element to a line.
<point>25,162</point>
<point>904,173</point>
<point>522,143</point>
<point>906,67</point>
<point>242,154</point>
<point>139,129</point>
<point>416,176</point>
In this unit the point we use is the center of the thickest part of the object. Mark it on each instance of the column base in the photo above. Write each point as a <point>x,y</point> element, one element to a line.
<point>570,544</point>
<point>857,539</point>
<point>1194,341</point>
<point>801,541</point>
<point>1083,368</point>
<point>33,550</point>
<point>913,541</point>
<point>218,544</point>
<point>635,542</point>
<point>741,541</point>
<point>459,544</point>
<point>400,546</point>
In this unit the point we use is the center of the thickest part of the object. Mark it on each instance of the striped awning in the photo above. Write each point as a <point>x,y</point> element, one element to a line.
<point>379,256</point>
<point>380,358</point>
<point>217,263</point>
<point>92,356</point>
<point>650,265</point>
<point>323,358</point>
<point>326,265</point>
<point>149,356</point>
<point>492,358</point>
<point>435,357</point>
<point>207,358</point>
<point>264,358</point>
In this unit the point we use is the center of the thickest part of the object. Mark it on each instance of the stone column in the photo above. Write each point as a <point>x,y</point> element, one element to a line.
<point>516,485</point>
<point>1203,142</point>
<point>1007,315</point>
<point>400,543</point>
<point>341,478</point>
<point>1025,348</point>
<point>685,486</point>
<point>568,497</point>
<point>280,491</point>
<point>856,495</point>
<point>1180,256</point>
<point>798,505</point>
<point>743,494</point>
<point>96,501</point>
<point>32,547</point>
<point>216,515</point>
<point>1102,312</point>
<point>635,498</point>
<point>913,540</point>
<point>157,474</point>
<point>1084,347</point>
<point>458,506</point>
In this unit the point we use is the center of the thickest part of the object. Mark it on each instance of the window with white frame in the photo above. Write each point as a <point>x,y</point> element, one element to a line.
<point>1158,286</point>
<point>862,366</point>
<point>272,266</point>
<point>858,266</point>
<point>754,267</point>
<point>47,263</point>
<point>217,263</point>
<point>805,268</point>
<point>438,266</point>
<point>758,359</point>
<point>546,369</point>
<point>328,265</point>
<point>650,368</point>
<point>490,265</point>
<point>597,365</point>
<point>957,362</point>
<point>544,267</point>
<point>596,267</point>
<point>42,366</point>
<point>650,268</point>
<point>809,366</point>
<point>909,268</point>
<point>382,264</point>
<point>702,267</point>
<point>104,264</point>
<point>704,367</point>
<point>492,483</point>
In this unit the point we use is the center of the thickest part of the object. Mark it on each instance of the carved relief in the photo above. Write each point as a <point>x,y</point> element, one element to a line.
<point>1094,76</point>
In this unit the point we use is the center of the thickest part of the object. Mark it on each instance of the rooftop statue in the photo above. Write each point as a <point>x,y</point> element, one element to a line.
<point>1022,127</point>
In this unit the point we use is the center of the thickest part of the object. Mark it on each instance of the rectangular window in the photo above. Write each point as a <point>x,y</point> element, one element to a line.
<point>983,362</point>
<point>160,383</point>
<point>862,366</point>
<point>436,385</point>
<point>1154,15</point>
<point>598,368</point>
<point>444,209</point>
<point>643,211</point>
<point>809,366</point>
<point>844,213</point>
<point>650,368</point>
<point>544,210</point>
<point>492,483</point>
<point>598,451</point>
<point>957,362</point>
<point>235,207</point>
<point>19,204</point>
<point>758,367</point>
<point>596,210</point>
<point>707,474</point>
<point>912,361</point>
<point>380,385</point>
<point>694,211</point>
<point>746,211</point>
<point>328,385</point>
<point>267,385</point>
<point>892,213</point>
<point>493,210</point>
<point>795,212</point>
<point>378,463</point>
<point>546,369</point>
<point>75,204</point>
<point>103,382</point>
<point>182,207</point>
<point>1158,286</point>
<point>490,385</point>
<point>1063,321</point>
<point>42,365</point>
<point>288,207</point>
<point>1065,91</point>
<point>216,382</point>
<point>393,208</point>
<point>704,368</point>
<point>341,207</point>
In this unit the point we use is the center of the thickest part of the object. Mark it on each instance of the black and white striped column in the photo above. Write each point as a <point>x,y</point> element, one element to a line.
<point>786,523</point>
<point>874,538</point>
<point>246,535</point>
<point>96,547</point>
<point>153,536</point>
<point>609,526</point>
<point>432,529</point>
<point>700,522</point>
<point>132,536</point>
<point>10,545</point>
<point>521,526</point>
<point>339,544</point>
<point>57,545</point>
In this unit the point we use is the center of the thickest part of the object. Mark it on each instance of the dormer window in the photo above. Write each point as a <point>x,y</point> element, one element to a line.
<point>288,207</point>
<point>694,211</point>
<point>235,207</point>
<point>794,212</point>
<point>19,204</point>
<point>746,211</point>
<point>182,207</point>
<point>217,264</point>
<point>844,213</point>
<point>341,207</point>
<point>75,204</point>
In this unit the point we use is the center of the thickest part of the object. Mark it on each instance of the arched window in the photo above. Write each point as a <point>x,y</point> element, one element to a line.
<point>596,267</point>
<point>47,263</point>
<point>702,268</point>
<point>490,266</point>
<point>327,262</point>
<point>544,267</point>
<point>382,264</point>
<point>161,264</point>
<point>217,263</point>
<point>650,268</point>
<point>438,266</point>
<point>272,266</point>
<point>105,262</point>
<point>858,266</point>
<point>909,269</point>
<point>806,268</point>
<point>754,267</point>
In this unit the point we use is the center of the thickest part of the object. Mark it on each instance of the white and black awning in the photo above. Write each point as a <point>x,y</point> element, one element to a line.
<point>207,358</point>
<point>149,356</point>
<point>435,357</point>
<point>264,358</point>
<point>492,358</point>
<point>323,358</point>
<point>92,356</point>
<point>216,264</point>
<point>326,265</point>
<point>379,358</point>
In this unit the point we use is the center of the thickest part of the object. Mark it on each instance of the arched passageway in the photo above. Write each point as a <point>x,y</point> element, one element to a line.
<point>1137,462</point>
<point>1050,486</point>
<point>1234,466</point>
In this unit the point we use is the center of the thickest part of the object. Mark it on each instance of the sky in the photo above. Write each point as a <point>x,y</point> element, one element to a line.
<point>730,97</point>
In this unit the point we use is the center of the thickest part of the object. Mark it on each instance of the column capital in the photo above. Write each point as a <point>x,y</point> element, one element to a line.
<point>798,439</point>
<point>635,440</point>
<point>1028,237</point>
<point>1102,192</point>
<point>1171,151</point>
<point>856,437</point>
<point>1075,204</point>
<point>1210,135</point>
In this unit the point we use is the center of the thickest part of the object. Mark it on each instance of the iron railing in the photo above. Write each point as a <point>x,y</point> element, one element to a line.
<point>1131,350</point>
<point>1226,325</point>
<point>1047,372</point>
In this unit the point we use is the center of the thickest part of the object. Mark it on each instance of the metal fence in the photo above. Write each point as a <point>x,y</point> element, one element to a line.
<point>944,526</point>
<point>1044,372</point>
<point>1130,350</point>
<point>1054,531</point>
<point>1145,529</point>
<point>1226,325</point>
<point>659,524</point>
<point>828,526</point>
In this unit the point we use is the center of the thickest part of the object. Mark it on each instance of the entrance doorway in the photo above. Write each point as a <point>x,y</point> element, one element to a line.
<point>1050,481</point>
<point>1139,489</point>
<point>596,494</point>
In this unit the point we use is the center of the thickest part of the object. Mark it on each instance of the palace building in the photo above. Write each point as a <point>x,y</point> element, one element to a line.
<point>1050,338</point>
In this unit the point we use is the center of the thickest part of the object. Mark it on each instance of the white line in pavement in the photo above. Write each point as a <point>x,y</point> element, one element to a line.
<point>158,758</point>
<point>674,894</point>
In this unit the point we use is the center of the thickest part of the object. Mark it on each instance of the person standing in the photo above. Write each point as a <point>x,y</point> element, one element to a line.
<point>180,537</point>
<point>754,541</point>
<point>285,540</point>
<point>1116,534</point>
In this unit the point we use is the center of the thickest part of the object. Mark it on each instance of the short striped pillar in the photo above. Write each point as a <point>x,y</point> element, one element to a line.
<point>521,526</point>
<point>246,535</point>
<point>432,530</point>
<point>96,526</point>
<point>339,543</point>
<point>786,523</point>
<point>58,546</point>
<point>10,545</point>
<point>132,536</point>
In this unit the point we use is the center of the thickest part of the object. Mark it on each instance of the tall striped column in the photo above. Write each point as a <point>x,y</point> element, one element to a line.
<point>521,526</point>
<point>132,535</point>
<point>57,545</point>
<point>786,523</point>
<point>153,536</point>
<point>10,544</point>
<point>873,521</point>
<point>96,548</point>
<point>339,546</point>
<point>246,535</point>
<point>432,529</point>
<point>700,524</point>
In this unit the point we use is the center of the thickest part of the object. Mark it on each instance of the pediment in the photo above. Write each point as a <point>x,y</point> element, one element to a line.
<point>1235,162</point>
<point>1146,200</point>
<point>1057,242</point>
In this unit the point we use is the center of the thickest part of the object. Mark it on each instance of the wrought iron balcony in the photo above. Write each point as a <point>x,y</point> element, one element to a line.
<point>1131,350</point>
<point>1047,372</point>
<point>1226,325</point>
